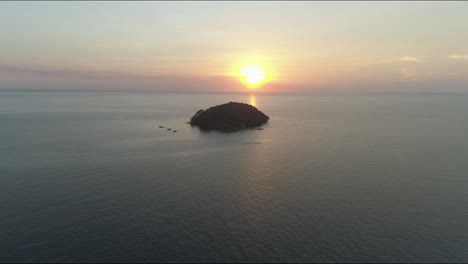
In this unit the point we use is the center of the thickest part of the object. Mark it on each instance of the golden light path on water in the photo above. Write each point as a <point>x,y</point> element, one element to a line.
<point>253,100</point>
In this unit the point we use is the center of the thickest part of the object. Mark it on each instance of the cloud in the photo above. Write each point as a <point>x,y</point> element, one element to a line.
<point>458,56</point>
<point>408,59</point>
<point>393,60</point>
<point>45,77</point>
<point>52,72</point>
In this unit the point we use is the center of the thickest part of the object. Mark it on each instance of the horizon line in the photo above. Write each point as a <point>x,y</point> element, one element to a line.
<point>231,92</point>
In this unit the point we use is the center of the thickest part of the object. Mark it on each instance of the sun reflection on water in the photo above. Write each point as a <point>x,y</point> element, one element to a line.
<point>253,100</point>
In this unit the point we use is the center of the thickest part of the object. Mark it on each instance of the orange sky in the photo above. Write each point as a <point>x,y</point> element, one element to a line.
<point>201,46</point>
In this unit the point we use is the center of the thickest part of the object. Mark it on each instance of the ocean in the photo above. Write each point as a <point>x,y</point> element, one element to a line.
<point>90,177</point>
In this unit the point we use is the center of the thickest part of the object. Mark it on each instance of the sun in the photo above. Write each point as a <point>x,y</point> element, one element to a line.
<point>253,75</point>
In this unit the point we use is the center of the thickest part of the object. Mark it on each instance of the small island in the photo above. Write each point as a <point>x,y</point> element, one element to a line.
<point>229,117</point>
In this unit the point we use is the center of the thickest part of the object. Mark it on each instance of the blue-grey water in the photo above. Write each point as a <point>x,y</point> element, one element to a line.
<point>89,176</point>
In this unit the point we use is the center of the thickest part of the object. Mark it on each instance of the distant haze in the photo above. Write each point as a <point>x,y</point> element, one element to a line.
<point>198,46</point>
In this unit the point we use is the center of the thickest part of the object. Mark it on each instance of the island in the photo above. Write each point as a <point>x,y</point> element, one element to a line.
<point>229,117</point>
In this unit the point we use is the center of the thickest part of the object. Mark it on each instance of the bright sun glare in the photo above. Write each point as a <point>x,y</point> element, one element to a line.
<point>253,74</point>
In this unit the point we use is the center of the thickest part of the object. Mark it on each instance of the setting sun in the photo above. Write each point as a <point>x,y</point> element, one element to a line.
<point>253,74</point>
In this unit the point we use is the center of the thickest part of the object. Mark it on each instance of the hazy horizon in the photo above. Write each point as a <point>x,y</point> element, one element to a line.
<point>310,47</point>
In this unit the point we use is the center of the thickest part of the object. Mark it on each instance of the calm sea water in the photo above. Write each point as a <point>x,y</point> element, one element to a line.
<point>89,176</point>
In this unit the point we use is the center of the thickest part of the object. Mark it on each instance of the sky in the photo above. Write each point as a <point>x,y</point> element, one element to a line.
<point>305,46</point>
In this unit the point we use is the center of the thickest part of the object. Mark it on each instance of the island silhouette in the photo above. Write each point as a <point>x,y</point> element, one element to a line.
<point>229,117</point>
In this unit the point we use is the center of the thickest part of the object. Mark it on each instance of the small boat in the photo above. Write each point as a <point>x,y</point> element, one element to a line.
<point>260,128</point>
<point>169,129</point>
<point>161,126</point>
<point>174,130</point>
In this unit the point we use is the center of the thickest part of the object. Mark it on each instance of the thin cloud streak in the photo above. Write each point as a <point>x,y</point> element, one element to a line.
<point>458,56</point>
<point>52,78</point>
<point>409,59</point>
<point>49,78</point>
<point>394,60</point>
